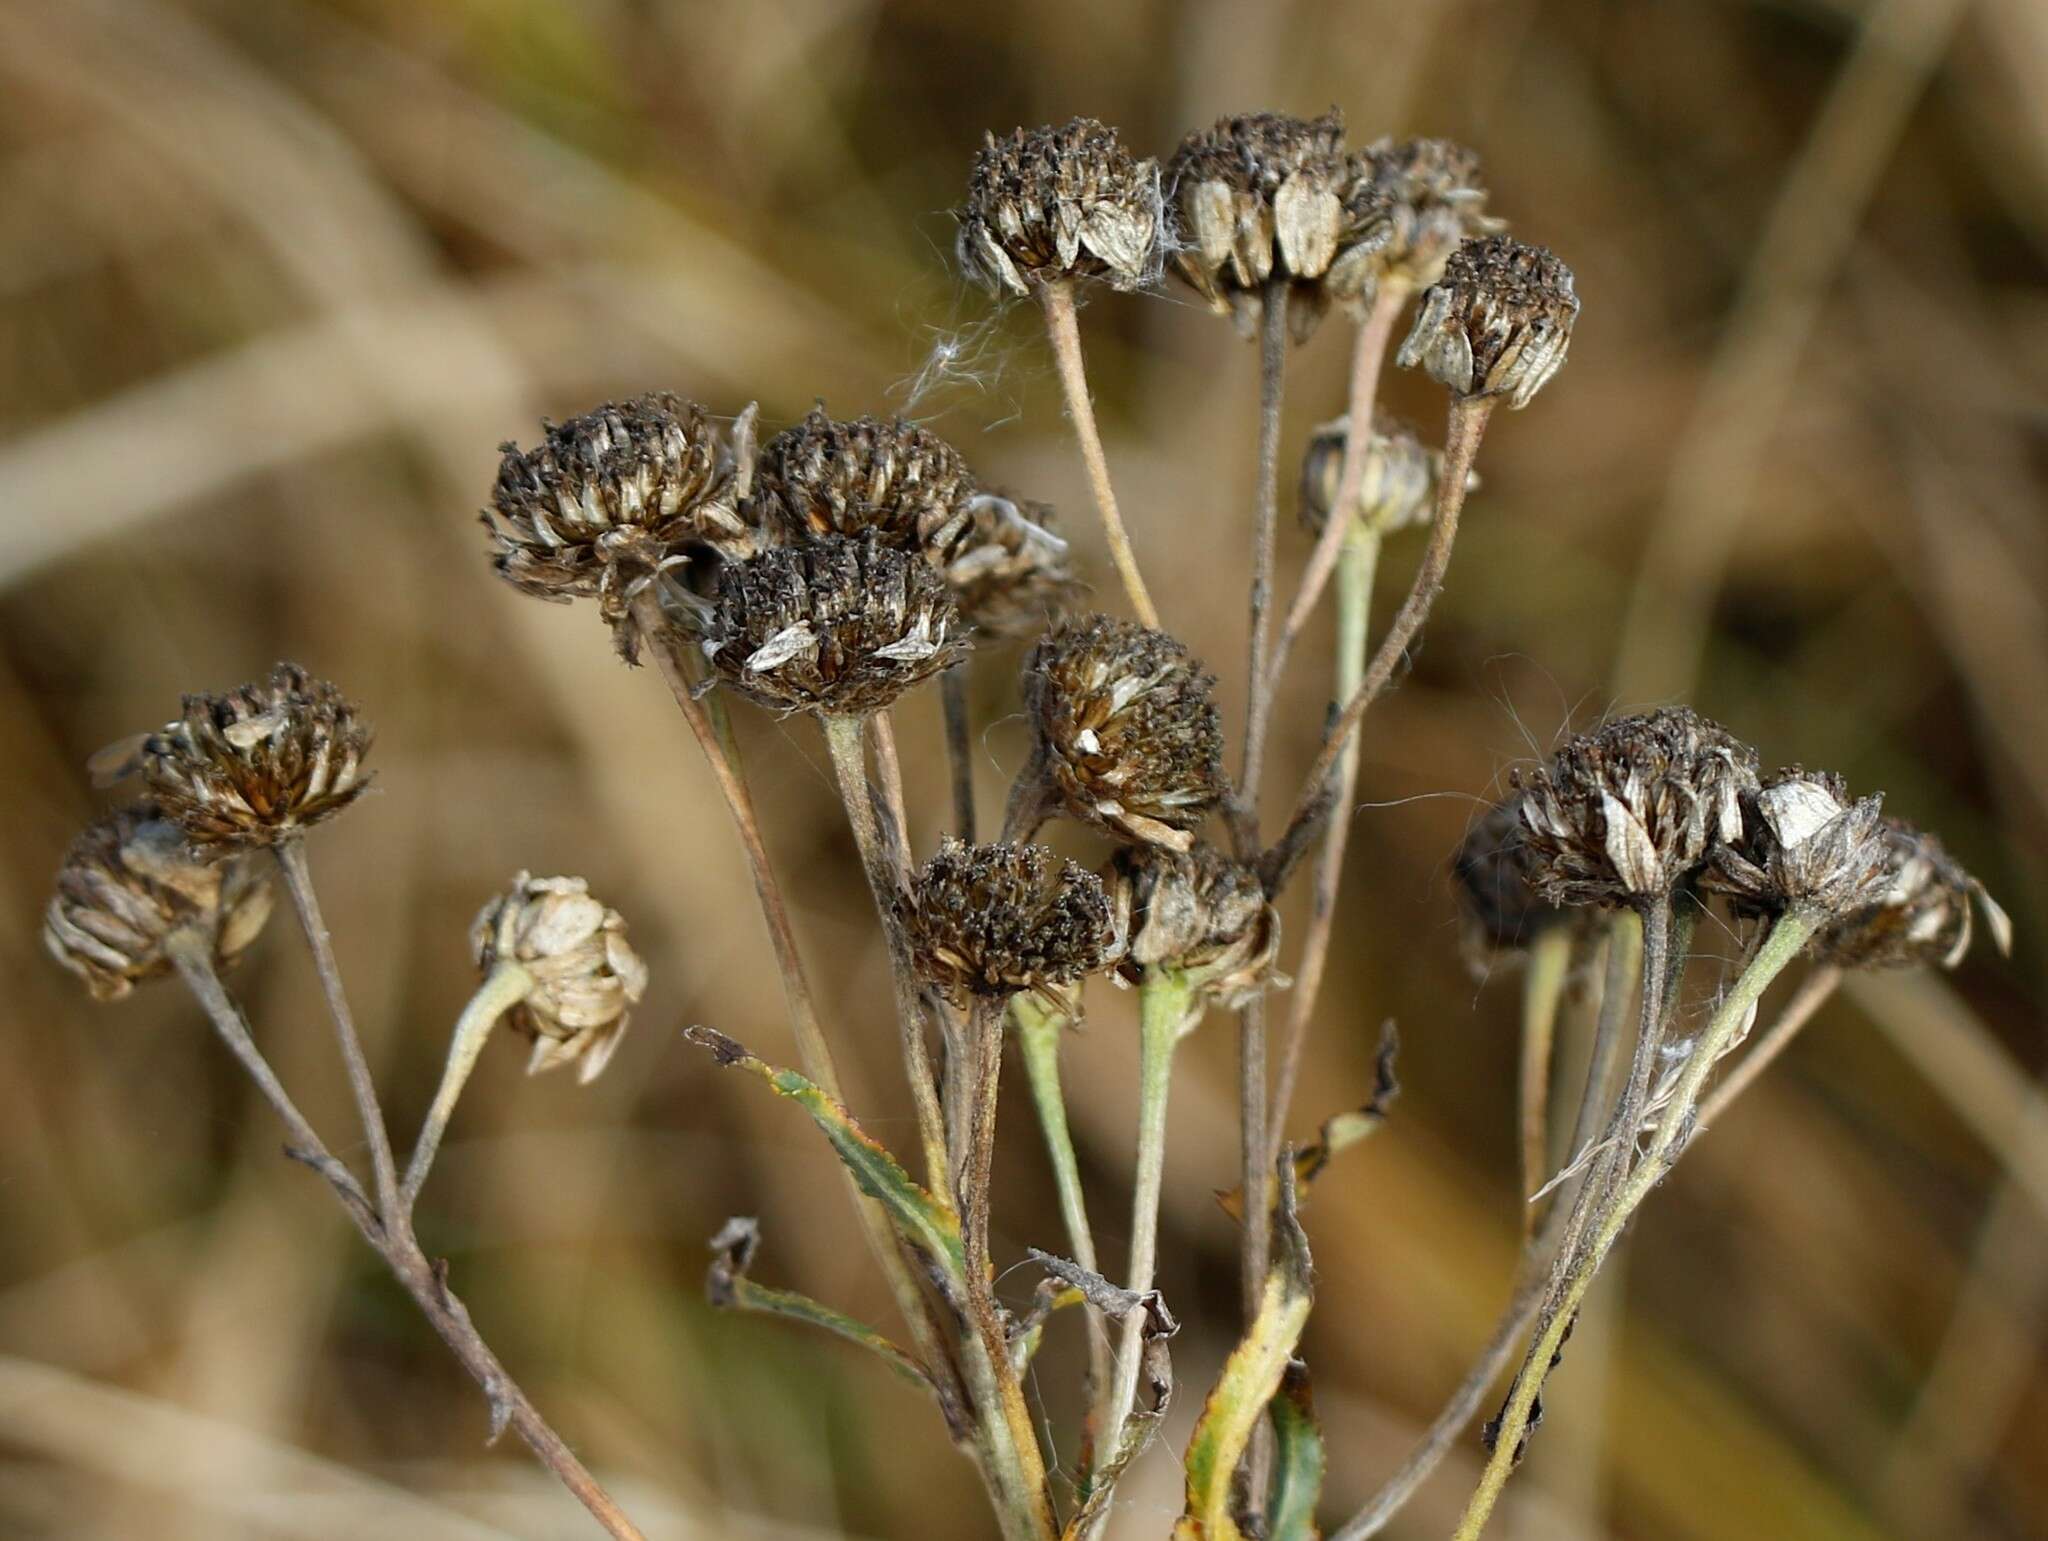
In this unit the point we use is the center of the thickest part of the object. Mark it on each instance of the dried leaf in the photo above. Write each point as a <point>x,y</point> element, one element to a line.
<point>1340,1131</point>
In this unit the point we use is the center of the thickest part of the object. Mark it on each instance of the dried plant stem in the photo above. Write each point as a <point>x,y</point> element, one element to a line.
<point>1064,330</point>
<point>1550,959</point>
<point>1265,524</point>
<point>192,954</point>
<point>814,1051</point>
<point>959,747</point>
<point>1164,1000</point>
<point>1255,1172</point>
<point>985,1038</point>
<point>1467,427</point>
<point>1039,1029</point>
<point>298,879</point>
<point>1786,938</point>
<point>503,988</point>
<point>1624,960</point>
<point>889,772</point>
<point>1357,563</point>
<point>849,766</point>
<point>1813,993</point>
<point>385,1226</point>
<point>1368,358</point>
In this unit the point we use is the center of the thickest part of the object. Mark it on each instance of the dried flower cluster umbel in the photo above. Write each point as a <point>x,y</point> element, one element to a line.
<point>845,562</point>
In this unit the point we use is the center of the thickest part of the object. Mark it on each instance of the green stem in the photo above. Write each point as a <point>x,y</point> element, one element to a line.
<point>505,987</point>
<point>1357,562</point>
<point>1164,999</point>
<point>1039,1031</point>
<point>1784,943</point>
<point>1550,958</point>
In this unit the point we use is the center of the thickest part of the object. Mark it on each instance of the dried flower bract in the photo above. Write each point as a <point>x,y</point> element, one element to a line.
<point>1199,912</point>
<point>1047,204</point>
<point>993,920</point>
<point>906,485</point>
<point>1265,196</point>
<point>1502,910</point>
<point>1498,323</point>
<point>1012,576</point>
<point>258,764</point>
<point>127,883</point>
<point>1627,813</point>
<point>1128,735</point>
<point>1434,202</point>
<point>1922,913</point>
<point>587,978</point>
<point>1804,841</point>
<point>1396,485</point>
<point>609,500</point>
<point>837,626</point>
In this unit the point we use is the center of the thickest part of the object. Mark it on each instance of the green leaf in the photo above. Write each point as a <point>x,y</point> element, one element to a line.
<point>1250,1378</point>
<point>1298,1460</point>
<point>727,1286</point>
<point>927,1223</point>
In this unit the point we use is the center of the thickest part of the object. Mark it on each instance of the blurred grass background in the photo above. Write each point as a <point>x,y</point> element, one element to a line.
<point>277,275</point>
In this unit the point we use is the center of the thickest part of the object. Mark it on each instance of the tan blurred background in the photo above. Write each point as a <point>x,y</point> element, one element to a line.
<point>276,276</point>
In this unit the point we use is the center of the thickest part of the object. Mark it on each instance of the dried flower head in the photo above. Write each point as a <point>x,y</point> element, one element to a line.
<point>258,764</point>
<point>1197,911</point>
<point>609,500</point>
<point>1502,910</point>
<point>1265,196</point>
<point>993,920</point>
<point>1128,737</point>
<point>1921,913</point>
<point>904,484</point>
<point>1497,323</point>
<point>1434,202</point>
<point>837,626</point>
<point>1011,576</point>
<point>1046,204</point>
<point>1627,813</point>
<point>127,883</point>
<point>1804,842</point>
<point>586,977</point>
<point>1397,484</point>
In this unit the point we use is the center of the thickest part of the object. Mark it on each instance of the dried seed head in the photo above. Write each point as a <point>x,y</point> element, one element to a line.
<point>609,500</point>
<point>1264,196</point>
<point>1627,813</point>
<point>1804,842</point>
<point>1197,911</point>
<point>1434,201</point>
<point>127,883</point>
<point>993,920</point>
<point>907,486</point>
<point>1920,913</point>
<point>837,626</point>
<point>1397,484</point>
<point>1011,576</point>
<point>586,977</point>
<point>1501,908</point>
<point>1497,323</point>
<point>1046,204</point>
<point>258,764</point>
<point>1128,736</point>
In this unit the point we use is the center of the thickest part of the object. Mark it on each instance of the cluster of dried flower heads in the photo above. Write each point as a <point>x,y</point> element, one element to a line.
<point>842,563</point>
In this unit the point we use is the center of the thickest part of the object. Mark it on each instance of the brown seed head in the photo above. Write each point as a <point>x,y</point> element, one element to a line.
<point>127,883</point>
<point>1264,195</point>
<point>1397,484</point>
<point>1497,323</point>
<point>993,920</point>
<point>1804,842</point>
<point>1502,910</point>
<point>1011,576</point>
<point>1627,813</point>
<point>837,626</point>
<point>610,499</point>
<point>1197,911</point>
<point>904,484</point>
<point>1434,201</point>
<point>1046,204</point>
<point>1128,735</point>
<point>1921,913</point>
<point>258,764</point>
<point>587,978</point>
